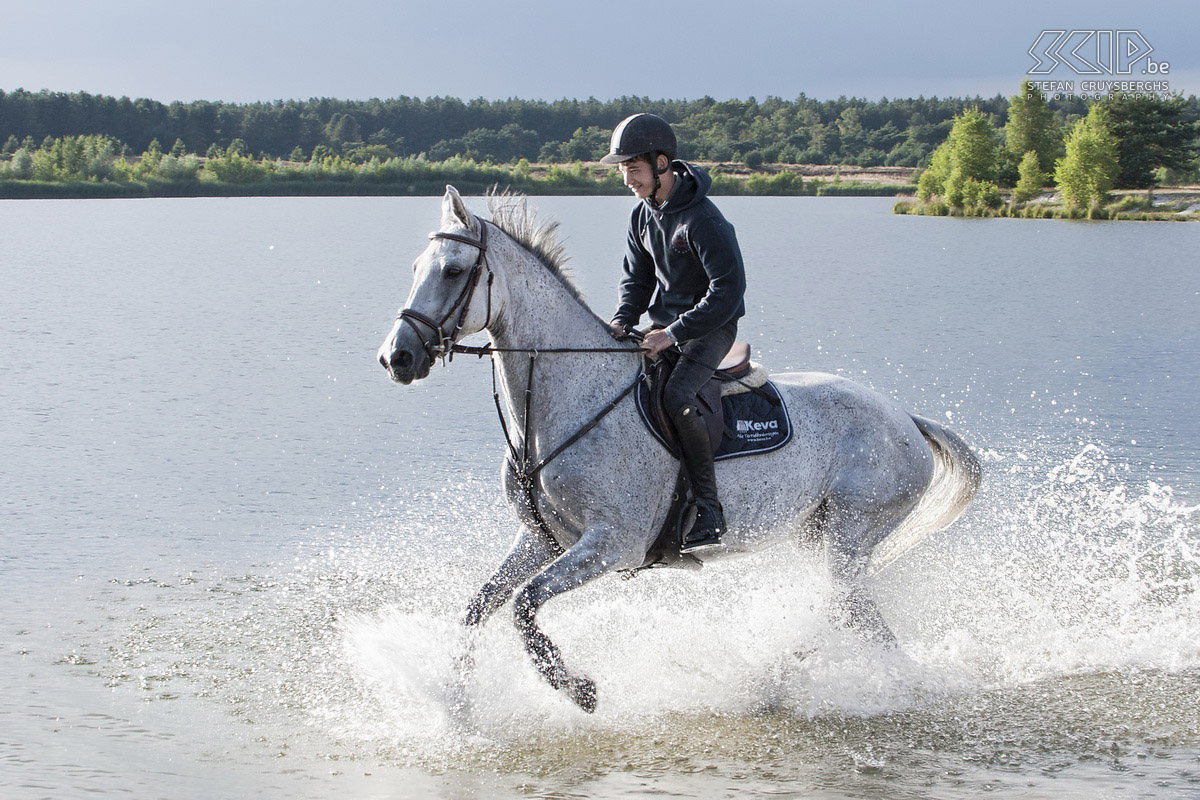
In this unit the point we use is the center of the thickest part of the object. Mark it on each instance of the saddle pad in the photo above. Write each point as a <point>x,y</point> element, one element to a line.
<point>753,424</point>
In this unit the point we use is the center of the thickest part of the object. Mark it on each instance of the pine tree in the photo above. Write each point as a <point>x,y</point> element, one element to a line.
<point>1151,132</point>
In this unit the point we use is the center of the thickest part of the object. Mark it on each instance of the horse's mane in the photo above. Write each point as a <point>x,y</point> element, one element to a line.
<point>511,214</point>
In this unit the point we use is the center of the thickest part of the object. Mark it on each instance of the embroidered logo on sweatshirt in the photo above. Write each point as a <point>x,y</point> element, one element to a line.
<point>679,242</point>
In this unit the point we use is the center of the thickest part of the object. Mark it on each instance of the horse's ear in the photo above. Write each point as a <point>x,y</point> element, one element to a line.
<point>454,212</point>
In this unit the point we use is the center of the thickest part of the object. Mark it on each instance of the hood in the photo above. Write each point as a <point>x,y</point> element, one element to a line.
<point>691,187</point>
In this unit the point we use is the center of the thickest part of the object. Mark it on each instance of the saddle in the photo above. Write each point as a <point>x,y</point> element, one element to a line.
<point>738,391</point>
<point>735,365</point>
<point>743,411</point>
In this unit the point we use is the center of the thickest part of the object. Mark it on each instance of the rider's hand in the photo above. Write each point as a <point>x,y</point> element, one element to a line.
<point>617,330</point>
<point>656,341</point>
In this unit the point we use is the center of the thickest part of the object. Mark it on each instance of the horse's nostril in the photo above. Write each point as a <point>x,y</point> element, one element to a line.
<point>383,360</point>
<point>402,360</point>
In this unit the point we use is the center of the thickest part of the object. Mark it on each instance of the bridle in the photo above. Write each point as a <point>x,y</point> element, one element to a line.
<point>522,460</point>
<point>443,341</point>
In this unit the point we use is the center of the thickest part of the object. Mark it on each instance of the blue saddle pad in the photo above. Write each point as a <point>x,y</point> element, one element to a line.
<point>753,423</point>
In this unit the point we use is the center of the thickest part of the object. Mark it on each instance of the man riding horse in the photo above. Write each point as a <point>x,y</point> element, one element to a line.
<point>684,267</point>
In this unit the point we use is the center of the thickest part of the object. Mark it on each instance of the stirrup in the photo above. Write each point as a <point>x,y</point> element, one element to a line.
<point>695,540</point>
<point>691,545</point>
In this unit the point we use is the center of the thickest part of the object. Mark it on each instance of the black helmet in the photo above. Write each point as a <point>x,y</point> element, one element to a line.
<point>641,133</point>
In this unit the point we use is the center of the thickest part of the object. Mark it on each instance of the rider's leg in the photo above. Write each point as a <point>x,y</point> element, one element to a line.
<point>695,368</point>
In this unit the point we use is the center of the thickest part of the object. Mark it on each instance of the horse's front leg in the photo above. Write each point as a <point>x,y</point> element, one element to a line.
<point>601,549</point>
<point>530,552</point>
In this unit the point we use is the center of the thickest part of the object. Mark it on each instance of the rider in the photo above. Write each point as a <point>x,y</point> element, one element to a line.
<point>683,266</point>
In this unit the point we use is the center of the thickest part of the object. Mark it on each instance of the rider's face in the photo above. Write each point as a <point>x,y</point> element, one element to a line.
<point>639,177</point>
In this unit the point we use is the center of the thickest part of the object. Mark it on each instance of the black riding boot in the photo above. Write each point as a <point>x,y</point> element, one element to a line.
<point>702,472</point>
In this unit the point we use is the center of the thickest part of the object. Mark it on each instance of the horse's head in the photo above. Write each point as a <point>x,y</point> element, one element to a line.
<point>450,297</point>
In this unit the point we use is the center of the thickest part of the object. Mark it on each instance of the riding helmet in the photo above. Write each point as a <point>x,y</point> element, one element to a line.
<point>641,133</point>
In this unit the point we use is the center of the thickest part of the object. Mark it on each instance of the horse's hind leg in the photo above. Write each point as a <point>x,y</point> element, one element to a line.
<point>598,551</point>
<point>850,537</point>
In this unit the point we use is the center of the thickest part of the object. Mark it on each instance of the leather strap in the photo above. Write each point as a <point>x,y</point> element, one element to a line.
<point>443,341</point>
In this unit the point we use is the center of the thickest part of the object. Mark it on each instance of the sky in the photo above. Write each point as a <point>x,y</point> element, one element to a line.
<point>247,51</point>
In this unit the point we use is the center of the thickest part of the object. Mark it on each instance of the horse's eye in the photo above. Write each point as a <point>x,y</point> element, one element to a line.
<point>453,272</point>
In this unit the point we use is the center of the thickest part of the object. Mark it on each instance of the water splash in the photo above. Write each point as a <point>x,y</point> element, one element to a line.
<point>1056,574</point>
<point>1075,573</point>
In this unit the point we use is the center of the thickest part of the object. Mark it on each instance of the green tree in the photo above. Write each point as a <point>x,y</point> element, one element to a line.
<point>933,180</point>
<point>979,195</point>
<point>148,164</point>
<point>72,158</point>
<point>364,154</point>
<point>21,166</point>
<point>1085,174</point>
<point>44,165</point>
<point>153,153</point>
<point>234,167</point>
<point>1031,126</point>
<point>100,155</point>
<point>182,168</point>
<point>968,154</point>
<point>1151,132</point>
<point>343,129</point>
<point>1032,179</point>
<point>973,145</point>
<point>585,144</point>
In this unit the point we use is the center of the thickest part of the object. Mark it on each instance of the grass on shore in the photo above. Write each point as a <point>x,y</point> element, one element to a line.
<point>419,178</point>
<point>1140,207</point>
<point>725,186</point>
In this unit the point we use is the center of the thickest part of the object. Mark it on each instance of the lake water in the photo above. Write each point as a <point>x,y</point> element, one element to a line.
<point>233,554</point>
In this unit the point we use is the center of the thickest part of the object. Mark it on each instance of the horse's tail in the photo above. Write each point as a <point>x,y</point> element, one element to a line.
<point>957,475</point>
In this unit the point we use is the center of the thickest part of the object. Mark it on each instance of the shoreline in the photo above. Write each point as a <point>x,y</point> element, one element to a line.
<point>36,190</point>
<point>1169,204</point>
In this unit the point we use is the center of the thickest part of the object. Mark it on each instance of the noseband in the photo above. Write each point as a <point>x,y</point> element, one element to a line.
<point>443,341</point>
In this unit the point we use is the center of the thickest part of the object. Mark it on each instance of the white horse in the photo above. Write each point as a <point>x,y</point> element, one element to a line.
<point>865,476</point>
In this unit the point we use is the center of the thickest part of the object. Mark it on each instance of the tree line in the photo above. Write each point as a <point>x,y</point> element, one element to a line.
<point>100,166</point>
<point>800,131</point>
<point>971,148</point>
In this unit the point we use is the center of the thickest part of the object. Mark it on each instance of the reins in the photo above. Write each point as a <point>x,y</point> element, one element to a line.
<point>524,468</point>
<point>520,459</point>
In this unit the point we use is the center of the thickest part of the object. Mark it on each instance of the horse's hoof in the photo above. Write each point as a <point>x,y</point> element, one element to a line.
<point>583,692</point>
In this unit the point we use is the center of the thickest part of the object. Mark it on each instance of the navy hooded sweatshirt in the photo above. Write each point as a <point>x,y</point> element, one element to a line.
<point>682,262</point>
